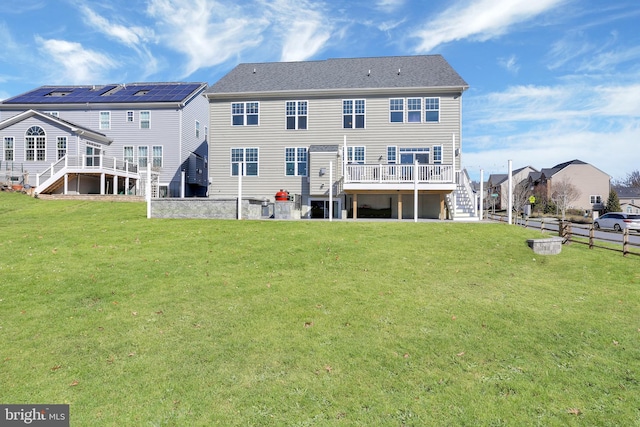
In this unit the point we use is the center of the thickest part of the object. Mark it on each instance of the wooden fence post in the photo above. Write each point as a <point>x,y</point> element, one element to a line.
<point>625,242</point>
<point>591,236</point>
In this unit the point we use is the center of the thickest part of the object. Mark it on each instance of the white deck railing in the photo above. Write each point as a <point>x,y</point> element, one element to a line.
<point>399,173</point>
<point>88,163</point>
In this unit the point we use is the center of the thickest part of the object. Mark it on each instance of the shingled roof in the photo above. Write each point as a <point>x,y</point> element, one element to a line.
<point>391,72</point>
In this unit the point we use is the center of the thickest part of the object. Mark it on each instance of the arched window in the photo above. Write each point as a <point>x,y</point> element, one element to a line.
<point>35,147</point>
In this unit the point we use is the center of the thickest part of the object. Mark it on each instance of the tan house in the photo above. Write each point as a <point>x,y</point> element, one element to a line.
<point>358,137</point>
<point>592,184</point>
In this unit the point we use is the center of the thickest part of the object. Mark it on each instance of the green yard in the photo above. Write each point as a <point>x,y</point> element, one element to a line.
<point>137,322</point>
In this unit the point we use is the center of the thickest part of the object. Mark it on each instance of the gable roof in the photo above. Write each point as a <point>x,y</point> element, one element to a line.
<point>129,93</point>
<point>628,192</point>
<point>72,127</point>
<point>390,72</point>
<point>549,172</point>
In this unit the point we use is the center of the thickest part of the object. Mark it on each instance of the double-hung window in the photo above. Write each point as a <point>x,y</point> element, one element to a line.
<point>197,129</point>
<point>61,146</point>
<point>105,120</point>
<point>245,113</point>
<point>396,110</point>
<point>128,154</point>
<point>130,116</point>
<point>35,144</point>
<point>295,161</point>
<point>296,112</point>
<point>145,119</point>
<point>392,154</point>
<point>156,156</point>
<point>353,113</point>
<point>143,156</point>
<point>436,153</point>
<point>9,147</point>
<point>432,109</point>
<point>245,159</point>
<point>595,199</point>
<point>355,155</point>
<point>414,110</point>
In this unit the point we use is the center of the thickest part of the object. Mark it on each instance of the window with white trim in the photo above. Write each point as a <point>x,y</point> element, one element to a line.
<point>35,148</point>
<point>295,159</point>
<point>9,147</point>
<point>595,199</point>
<point>61,146</point>
<point>245,159</point>
<point>130,116</point>
<point>145,119</point>
<point>128,154</point>
<point>396,110</point>
<point>105,120</point>
<point>414,110</point>
<point>197,129</point>
<point>356,155</point>
<point>437,154</point>
<point>143,156</point>
<point>353,113</point>
<point>432,110</point>
<point>392,154</point>
<point>245,113</point>
<point>156,156</point>
<point>296,114</point>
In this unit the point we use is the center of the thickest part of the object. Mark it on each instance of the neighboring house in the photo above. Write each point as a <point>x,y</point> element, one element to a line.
<point>498,186</point>
<point>103,139</point>
<point>379,133</point>
<point>592,184</point>
<point>629,198</point>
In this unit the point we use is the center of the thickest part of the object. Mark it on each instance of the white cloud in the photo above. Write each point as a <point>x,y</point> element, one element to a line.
<point>74,64</point>
<point>510,64</point>
<point>479,20</point>
<point>129,36</point>
<point>134,37</point>
<point>302,25</point>
<point>206,32</point>
<point>389,6</point>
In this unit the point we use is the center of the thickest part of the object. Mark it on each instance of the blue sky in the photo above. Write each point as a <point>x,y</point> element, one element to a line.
<point>550,80</point>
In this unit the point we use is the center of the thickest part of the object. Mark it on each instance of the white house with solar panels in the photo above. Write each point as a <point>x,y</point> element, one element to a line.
<point>351,138</point>
<point>107,139</point>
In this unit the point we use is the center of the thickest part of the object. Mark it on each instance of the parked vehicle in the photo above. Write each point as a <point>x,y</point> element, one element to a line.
<point>618,221</point>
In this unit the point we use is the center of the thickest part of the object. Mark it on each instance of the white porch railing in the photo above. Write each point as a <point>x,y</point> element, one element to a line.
<point>87,163</point>
<point>399,173</point>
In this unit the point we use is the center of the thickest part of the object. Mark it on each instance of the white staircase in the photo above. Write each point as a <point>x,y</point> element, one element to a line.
<point>463,201</point>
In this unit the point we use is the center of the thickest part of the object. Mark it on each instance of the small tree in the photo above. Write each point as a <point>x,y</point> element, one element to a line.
<point>563,193</point>
<point>613,203</point>
<point>521,193</point>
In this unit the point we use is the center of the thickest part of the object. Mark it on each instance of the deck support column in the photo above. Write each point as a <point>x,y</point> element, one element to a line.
<point>355,205</point>
<point>65,191</point>
<point>399,205</point>
<point>102,183</point>
<point>115,185</point>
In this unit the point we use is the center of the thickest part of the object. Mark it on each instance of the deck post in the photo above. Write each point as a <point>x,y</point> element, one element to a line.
<point>102,183</point>
<point>399,205</point>
<point>415,191</point>
<point>355,205</point>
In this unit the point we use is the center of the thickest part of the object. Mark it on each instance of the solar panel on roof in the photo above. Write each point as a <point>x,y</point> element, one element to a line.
<point>167,92</point>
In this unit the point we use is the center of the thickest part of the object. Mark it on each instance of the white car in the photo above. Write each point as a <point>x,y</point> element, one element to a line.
<point>618,221</point>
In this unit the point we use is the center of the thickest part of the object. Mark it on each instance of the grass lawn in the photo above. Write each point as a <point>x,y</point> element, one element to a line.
<point>137,322</point>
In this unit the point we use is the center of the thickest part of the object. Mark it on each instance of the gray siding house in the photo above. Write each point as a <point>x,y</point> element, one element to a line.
<point>379,137</point>
<point>104,139</point>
